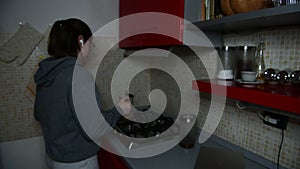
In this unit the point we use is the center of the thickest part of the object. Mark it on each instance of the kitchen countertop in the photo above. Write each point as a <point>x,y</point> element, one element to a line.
<point>180,158</point>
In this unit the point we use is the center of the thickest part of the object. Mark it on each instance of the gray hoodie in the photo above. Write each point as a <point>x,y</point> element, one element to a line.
<point>65,140</point>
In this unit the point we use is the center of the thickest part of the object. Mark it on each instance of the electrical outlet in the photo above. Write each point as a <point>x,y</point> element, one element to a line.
<point>275,120</point>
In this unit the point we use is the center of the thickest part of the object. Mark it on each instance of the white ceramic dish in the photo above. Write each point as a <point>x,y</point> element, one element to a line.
<point>248,76</point>
<point>246,82</point>
<point>225,75</point>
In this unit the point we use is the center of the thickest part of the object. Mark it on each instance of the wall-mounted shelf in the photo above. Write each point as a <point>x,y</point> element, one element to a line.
<point>277,16</point>
<point>281,97</point>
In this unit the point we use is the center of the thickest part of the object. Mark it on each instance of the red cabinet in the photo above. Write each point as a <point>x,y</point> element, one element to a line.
<point>127,26</point>
<point>108,160</point>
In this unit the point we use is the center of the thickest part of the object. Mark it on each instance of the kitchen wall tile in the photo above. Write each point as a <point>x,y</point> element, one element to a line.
<point>282,45</point>
<point>140,85</point>
<point>16,113</point>
<point>241,127</point>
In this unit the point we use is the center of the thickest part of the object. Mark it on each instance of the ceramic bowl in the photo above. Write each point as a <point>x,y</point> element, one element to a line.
<point>248,76</point>
<point>241,6</point>
<point>225,74</point>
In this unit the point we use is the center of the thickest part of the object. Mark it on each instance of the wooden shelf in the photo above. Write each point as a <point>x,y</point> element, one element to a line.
<point>277,16</point>
<point>281,97</point>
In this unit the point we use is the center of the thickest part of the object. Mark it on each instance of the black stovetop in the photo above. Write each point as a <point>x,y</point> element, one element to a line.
<point>144,130</point>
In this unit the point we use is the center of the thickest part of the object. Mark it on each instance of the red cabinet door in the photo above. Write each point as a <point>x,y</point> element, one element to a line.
<point>108,160</point>
<point>127,26</point>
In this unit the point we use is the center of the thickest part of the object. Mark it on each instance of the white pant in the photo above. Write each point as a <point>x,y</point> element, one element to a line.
<point>90,163</point>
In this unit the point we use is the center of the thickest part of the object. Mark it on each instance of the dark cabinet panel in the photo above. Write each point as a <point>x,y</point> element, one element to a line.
<point>108,160</point>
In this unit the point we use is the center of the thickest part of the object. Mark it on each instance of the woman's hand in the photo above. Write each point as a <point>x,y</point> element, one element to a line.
<point>125,105</point>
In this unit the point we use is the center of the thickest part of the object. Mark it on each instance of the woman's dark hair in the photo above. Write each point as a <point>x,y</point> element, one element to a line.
<point>63,37</point>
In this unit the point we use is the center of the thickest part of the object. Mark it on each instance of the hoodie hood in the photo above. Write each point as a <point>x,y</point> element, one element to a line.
<point>50,67</point>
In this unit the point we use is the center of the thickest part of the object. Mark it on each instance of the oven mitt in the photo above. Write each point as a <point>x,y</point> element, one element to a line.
<point>20,45</point>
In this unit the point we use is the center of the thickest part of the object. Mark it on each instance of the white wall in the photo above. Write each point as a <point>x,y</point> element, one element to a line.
<point>41,13</point>
<point>23,154</point>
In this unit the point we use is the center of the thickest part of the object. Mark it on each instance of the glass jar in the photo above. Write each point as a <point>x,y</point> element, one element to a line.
<point>246,59</point>
<point>188,125</point>
<point>260,61</point>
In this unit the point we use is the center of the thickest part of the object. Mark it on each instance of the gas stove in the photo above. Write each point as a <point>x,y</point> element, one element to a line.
<point>145,130</point>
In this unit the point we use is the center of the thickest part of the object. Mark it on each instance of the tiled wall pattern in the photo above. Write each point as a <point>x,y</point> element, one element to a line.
<point>241,127</point>
<point>245,129</point>
<point>139,86</point>
<point>16,111</point>
<point>282,48</point>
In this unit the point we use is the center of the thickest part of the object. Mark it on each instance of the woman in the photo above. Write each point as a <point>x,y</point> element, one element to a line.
<point>67,145</point>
